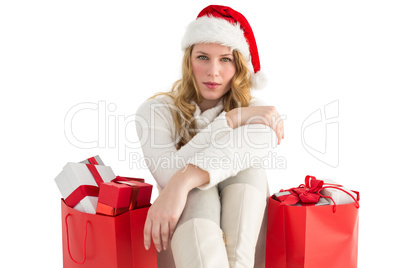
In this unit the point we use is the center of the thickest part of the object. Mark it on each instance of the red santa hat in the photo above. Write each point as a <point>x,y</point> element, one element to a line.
<point>225,26</point>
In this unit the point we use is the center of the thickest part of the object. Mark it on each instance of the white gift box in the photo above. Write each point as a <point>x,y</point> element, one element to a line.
<point>77,174</point>
<point>97,158</point>
<point>340,197</point>
<point>321,202</point>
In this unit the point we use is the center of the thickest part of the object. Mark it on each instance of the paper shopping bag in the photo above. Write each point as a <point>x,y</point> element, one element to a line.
<point>91,240</point>
<point>311,236</point>
<point>141,258</point>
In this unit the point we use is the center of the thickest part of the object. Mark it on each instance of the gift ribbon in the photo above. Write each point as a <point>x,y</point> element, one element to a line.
<point>95,173</point>
<point>118,179</point>
<point>93,161</point>
<point>78,194</point>
<point>85,190</point>
<point>110,210</point>
<point>306,193</point>
<point>309,193</point>
<point>135,189</point>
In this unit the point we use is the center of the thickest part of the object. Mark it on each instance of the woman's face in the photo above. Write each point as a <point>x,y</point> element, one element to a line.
<point>213,69</point>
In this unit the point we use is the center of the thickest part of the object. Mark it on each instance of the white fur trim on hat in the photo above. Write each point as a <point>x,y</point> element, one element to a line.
<point>215,30</point>
<point>258,80</point>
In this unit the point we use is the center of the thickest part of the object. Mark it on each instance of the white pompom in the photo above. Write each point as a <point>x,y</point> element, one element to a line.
<point>259,80</point>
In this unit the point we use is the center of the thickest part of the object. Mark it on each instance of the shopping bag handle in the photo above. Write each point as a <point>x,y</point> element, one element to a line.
<point>84,244</point>
<point>334,186</point>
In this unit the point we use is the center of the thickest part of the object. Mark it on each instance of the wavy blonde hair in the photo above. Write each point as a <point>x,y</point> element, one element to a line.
<point>185,90</point>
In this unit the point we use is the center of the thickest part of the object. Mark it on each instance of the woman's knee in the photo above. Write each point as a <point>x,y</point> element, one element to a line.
<point>256,177</point>
<point>203,204</point>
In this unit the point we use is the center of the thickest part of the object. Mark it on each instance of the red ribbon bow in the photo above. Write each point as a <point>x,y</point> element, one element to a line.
<point>309,193</point>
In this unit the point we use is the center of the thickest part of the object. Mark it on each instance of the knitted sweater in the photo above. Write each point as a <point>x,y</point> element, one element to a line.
<point>216,148</point>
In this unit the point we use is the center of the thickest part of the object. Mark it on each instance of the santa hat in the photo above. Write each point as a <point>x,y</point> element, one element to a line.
<point>225,26</point>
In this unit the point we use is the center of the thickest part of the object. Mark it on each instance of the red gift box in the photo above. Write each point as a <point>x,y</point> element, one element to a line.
<point>116,198</point>
<point>144,191</point>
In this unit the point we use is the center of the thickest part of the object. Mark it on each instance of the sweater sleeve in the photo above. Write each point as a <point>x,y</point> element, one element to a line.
<point>239,149</point>
<point>244,147</point>
<point>154,126</point>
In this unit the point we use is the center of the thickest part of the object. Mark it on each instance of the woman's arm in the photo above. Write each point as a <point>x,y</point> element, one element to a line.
<point>155,124</point>
<point>245,147</point>
<point>165,212</point>
<point>266,115</point>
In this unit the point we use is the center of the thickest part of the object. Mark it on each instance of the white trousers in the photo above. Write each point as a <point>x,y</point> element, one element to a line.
<point>235,209</point>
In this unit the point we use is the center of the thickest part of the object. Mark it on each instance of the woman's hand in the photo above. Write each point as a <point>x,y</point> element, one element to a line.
<point>163,216</point>
<point>266,115</point>
<point>165,212</point>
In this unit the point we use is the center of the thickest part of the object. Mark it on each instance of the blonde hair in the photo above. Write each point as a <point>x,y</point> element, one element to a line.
<point>185,90</point>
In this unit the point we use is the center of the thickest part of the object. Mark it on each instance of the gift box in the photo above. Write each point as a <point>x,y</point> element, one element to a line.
<point>321,202</point>
<point>116,198</point>
<point>144,190</point>
<point>339,194</point>
<point>281,196</point>
<point>317,192</point>
<point>95,160</point>
<point>79,184</point>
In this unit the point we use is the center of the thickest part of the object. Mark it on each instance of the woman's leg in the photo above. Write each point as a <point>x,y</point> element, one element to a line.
<point>198,239</point>
<point>243,200</point>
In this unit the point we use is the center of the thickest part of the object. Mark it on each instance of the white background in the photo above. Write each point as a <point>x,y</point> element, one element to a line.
<point>55,55</point>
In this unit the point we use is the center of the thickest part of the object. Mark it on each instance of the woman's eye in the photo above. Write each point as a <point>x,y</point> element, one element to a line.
<point>202,57</point>
<point>226,59</point>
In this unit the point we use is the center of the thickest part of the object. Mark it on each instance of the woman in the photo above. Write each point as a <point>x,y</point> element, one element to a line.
<point>204,142</point>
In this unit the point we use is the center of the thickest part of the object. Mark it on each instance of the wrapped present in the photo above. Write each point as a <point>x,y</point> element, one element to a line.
<point>95,160</point>
<point>317,192</point>
<point>144,191</point>
<point>339,194</point>
<point>281,196</point>
<point>116,198</point>
<point>322,202</point>
<point>79,184</point>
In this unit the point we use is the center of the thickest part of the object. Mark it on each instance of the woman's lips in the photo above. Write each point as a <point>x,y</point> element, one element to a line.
<point>211,85</point>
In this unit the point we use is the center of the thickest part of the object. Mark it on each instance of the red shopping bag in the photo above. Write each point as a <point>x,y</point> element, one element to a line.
<point>311,236</point>
<point>141,258</point>
<point>91,240</point>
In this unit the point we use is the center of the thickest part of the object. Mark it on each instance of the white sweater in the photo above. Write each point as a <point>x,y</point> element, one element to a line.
<point>216,148</point>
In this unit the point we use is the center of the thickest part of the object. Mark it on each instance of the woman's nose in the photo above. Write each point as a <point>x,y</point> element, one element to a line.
<point>213,69</point>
